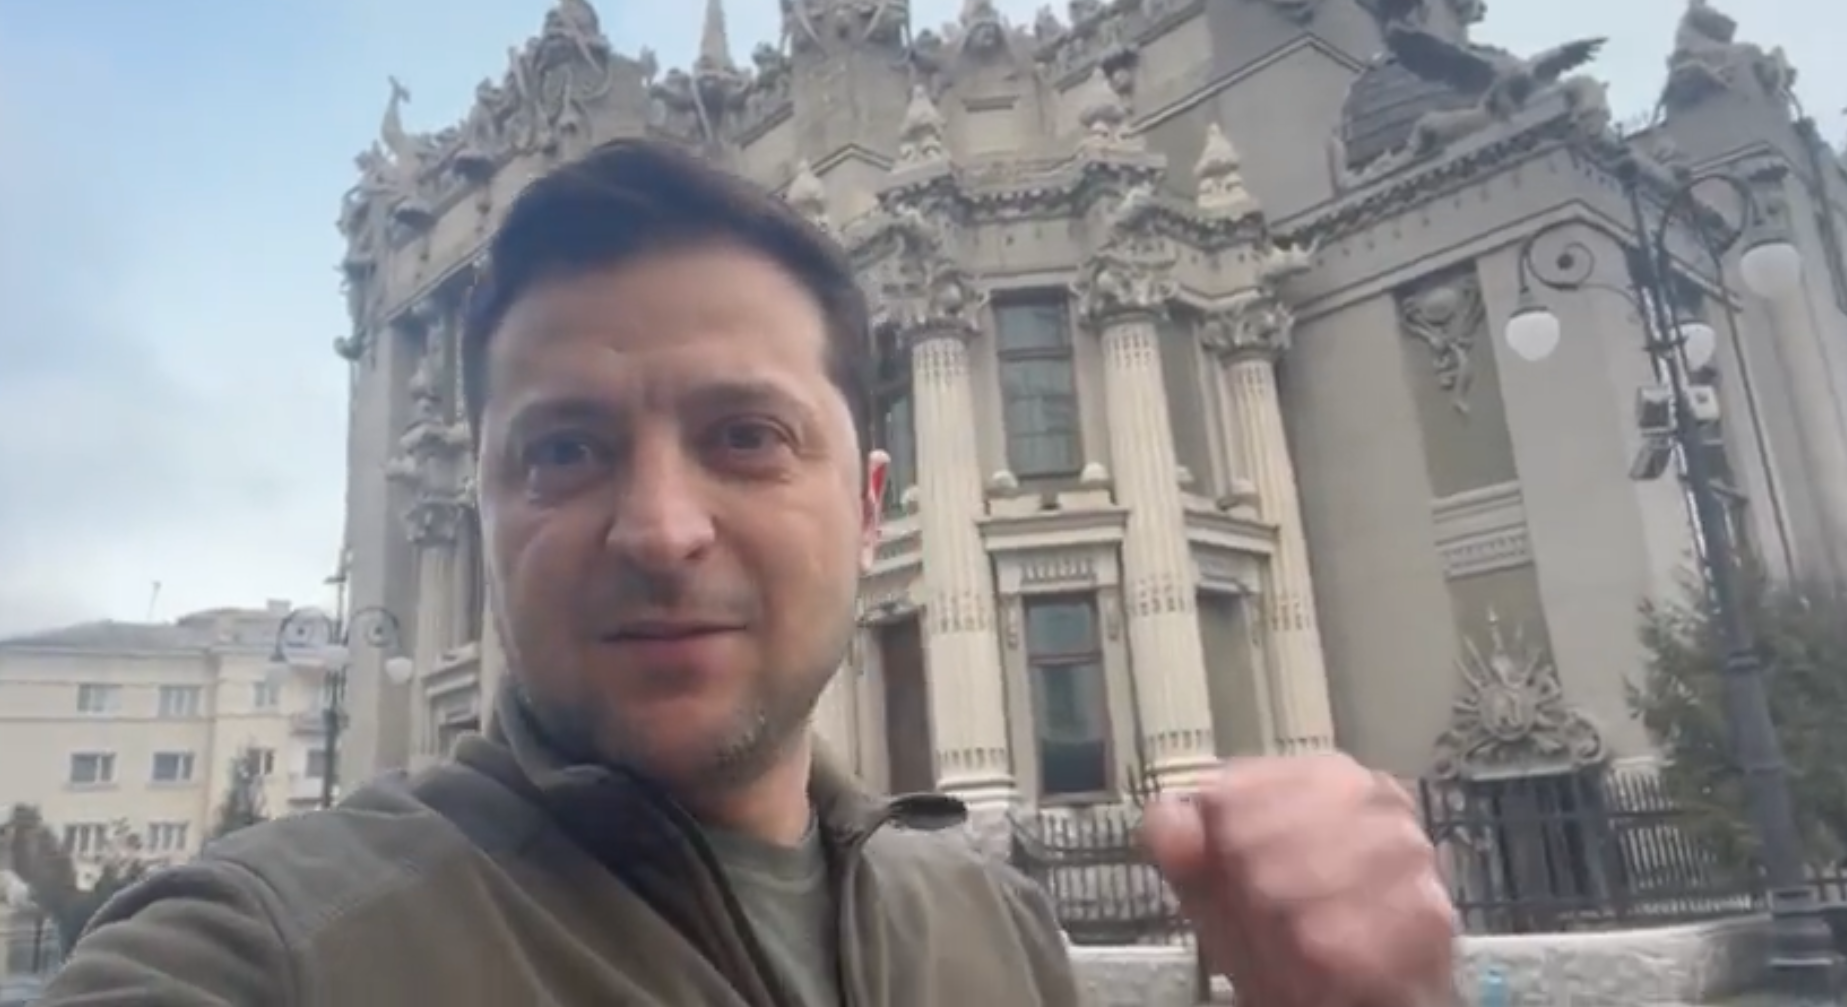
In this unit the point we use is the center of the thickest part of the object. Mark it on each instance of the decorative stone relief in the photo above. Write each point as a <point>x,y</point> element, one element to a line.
<point>1708,59</point>
<point>1448,317</point>
<point>434,451</point>
<point>921,140</point>
<point>1255,323</point>
<point>918,284</point>
<point>1130,273</point>
<point>1104,116</point>
<point>1511,713</point>
<point>825,25</point>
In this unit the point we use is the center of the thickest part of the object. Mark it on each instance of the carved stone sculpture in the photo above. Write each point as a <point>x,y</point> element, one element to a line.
<point>921,140</point>
<point>1131,270</point>
<point>1501,85</point>
<point>1447,317</point>
<point>1256,323</point>
<point>918,284</point>
<point>1219,176</point>
<point>808,196</point>
<point>1511,714</point>
<point>1708,59</point>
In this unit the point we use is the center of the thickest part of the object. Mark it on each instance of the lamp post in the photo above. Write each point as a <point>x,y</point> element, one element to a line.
<point>313,638</point>
<point>1679,418</point>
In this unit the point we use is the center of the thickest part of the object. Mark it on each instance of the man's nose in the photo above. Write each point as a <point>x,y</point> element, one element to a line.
<point>664,518</point>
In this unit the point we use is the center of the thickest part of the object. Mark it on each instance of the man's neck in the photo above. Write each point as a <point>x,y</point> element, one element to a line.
<point>773,808</point>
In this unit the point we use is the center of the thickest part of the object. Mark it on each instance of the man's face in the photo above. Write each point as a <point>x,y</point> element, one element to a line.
<point>675,509</point>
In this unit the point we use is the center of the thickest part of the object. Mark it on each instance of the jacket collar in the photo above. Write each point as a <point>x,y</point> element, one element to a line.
<point>576,792</point>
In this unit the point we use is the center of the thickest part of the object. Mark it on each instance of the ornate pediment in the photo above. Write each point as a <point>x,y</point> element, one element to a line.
<point>1510,714</point>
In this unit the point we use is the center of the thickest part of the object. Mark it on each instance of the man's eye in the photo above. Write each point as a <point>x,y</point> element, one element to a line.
<point>560,452</point>
<point>749,436</point>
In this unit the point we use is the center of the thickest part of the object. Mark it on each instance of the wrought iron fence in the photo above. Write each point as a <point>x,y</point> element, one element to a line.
<point>1091,863</point>
<point>1581,851</point>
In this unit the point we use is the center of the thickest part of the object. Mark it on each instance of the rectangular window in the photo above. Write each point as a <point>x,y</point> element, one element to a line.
<point>173,767</point>
<point>317,764</point>
<point>265,695</point>
<point>168,837</point>
<point>894,425</point>
<point>1038,387</point>
<point>1070,700</point>
<point>265,758</point>
<point>86,839</point>
<point>98,698</point>
<point>92,769</point>
<point>181,701</point>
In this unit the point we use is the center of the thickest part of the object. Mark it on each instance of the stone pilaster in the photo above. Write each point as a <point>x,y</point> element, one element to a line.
<point>433,462</point>
<point>434,627</point>
<point>933,305</point>
<point>1248,336</point>
<point>1122,293</point>
<point>1821,425</point>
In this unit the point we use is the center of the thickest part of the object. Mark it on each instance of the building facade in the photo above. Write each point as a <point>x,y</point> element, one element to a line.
<point>124,735</point>
<point>1205,440</point>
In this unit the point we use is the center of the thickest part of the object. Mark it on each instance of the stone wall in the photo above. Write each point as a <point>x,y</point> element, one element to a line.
<point>1630,968</point>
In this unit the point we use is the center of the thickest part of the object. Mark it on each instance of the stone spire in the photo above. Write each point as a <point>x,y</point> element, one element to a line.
<point>714,40</point>
<point>808,196</point>
<point>1220,178</point>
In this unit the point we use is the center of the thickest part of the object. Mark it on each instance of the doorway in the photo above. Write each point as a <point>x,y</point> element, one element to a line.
<point>909,748</point>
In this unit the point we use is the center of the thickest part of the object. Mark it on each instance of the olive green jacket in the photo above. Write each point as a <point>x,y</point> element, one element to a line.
<point>506,878</point>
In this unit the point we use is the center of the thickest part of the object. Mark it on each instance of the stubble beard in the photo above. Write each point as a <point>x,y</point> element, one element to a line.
<point>767,724</point>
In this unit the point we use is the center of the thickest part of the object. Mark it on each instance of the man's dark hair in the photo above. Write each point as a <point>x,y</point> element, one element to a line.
<point>632,198</point>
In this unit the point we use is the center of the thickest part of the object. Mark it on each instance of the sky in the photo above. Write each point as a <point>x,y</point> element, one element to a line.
<point>172,416</point>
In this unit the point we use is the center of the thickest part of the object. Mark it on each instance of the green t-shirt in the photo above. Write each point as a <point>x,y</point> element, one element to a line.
<point>785,896</point>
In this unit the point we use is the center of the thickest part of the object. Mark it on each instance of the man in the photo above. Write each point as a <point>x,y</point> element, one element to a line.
<point>666,370</point>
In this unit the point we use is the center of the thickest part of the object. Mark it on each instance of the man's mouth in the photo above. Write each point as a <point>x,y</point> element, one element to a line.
<point>659,631</point>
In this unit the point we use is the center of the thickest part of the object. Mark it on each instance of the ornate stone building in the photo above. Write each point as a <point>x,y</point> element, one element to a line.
<point>1204,437</point>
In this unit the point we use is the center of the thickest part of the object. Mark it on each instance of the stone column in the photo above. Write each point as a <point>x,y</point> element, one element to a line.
<point>934,306</point>
<point>1248,337</point>
<point>967,692</point>
<point>1122,293</point>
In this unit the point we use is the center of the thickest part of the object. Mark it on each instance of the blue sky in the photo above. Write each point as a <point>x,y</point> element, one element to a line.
<point>170,409</point>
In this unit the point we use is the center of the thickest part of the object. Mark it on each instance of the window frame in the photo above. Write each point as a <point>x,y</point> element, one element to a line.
<point>105,769</point>
<point>1063,352</point>
<point>181,759</point>
<point>1095,658</point>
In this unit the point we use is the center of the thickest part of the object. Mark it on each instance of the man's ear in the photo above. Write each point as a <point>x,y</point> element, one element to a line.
<point>872,505</point>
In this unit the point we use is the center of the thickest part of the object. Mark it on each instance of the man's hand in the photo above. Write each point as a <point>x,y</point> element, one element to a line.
<point>1310,882</point>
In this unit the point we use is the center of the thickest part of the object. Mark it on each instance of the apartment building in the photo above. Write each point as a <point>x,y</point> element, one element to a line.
<point>126,733</point>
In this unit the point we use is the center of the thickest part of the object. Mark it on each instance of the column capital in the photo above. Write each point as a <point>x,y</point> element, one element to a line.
<point>1129,276</point>
<point>436,519</point>
<point>1255,324</point>
<point>919,286</point>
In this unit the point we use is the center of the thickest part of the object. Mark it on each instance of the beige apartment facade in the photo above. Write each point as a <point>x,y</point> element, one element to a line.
<point>124,735</point>
<point>1205,439</point>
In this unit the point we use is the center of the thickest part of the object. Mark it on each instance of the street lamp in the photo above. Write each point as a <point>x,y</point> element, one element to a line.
<point>312,638</point>
<point>1679,418</point>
